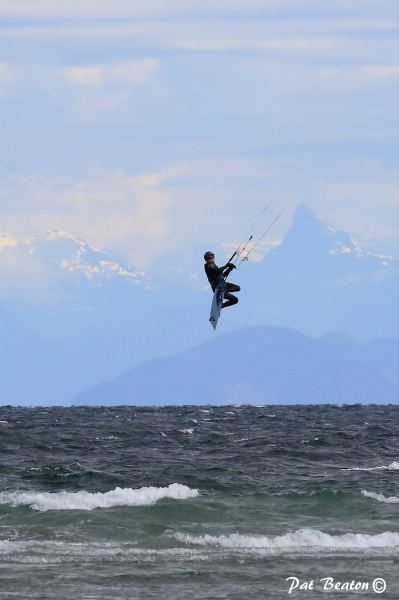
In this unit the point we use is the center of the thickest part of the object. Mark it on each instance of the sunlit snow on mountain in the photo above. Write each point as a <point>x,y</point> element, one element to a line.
<point>72,315</point>
<point>67,255</point>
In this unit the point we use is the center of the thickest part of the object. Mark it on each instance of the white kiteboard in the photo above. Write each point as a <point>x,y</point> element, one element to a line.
<point>217,302</point>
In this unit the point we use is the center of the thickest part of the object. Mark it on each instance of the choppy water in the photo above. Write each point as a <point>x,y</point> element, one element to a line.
<point>197,502</point>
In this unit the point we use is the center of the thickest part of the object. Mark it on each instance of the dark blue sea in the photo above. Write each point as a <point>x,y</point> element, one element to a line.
<point>202,502</point>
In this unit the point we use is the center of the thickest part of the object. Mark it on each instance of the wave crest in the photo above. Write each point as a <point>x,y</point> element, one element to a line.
<point>82,500</point>
<point>303,540</point>
<point>381,497</point>
<point>394,466</point>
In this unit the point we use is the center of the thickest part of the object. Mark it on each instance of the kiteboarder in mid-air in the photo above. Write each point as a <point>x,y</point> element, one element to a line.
<point>215,273</point>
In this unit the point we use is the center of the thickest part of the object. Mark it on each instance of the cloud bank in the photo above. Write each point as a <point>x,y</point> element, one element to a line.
<point>152,128</point>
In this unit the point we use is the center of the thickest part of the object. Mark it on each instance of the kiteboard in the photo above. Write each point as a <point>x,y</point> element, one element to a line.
<point>217,302</point>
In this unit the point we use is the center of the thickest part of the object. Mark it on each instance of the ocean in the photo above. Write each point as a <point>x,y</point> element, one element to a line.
<point>201,502</point>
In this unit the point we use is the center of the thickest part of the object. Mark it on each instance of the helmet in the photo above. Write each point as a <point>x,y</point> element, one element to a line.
<point>208,254</point>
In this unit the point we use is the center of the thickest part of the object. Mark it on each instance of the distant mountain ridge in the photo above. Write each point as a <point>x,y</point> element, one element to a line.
<point>93,316</point>
<point>310,242</point>
<point>309,233</point>
<point>70,314</point>
<point>318,280</point>
<point>69,255</point>
<point>261,365</point>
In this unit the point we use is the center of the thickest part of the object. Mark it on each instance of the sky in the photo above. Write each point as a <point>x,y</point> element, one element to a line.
<point>159,130</point>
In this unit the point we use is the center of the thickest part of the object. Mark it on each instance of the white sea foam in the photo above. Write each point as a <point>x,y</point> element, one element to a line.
<point>188,431</point>
<point>56,552</point>
<point>394,466</point>
<point>381,497</point>
<point>82,500</point>
<point>303,541</point>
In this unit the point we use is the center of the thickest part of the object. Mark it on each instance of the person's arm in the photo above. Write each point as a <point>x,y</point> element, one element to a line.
<point>215,269</point>
<point>220,270</point>
<point>227,269</point>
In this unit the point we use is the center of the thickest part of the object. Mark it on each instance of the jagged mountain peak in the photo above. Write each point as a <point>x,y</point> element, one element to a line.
<point>69,255</point>
<point>304,215</point>
<point>307,225</point>
<point>312,244</point>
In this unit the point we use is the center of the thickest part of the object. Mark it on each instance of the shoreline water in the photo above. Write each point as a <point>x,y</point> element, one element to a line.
<point>212,502</point>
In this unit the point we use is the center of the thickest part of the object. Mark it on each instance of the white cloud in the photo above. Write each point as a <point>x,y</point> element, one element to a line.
<point>130,214</point>
<point>307,36</point>
<point>281,44</point>
<point>175,210</point>
<point>91,76</point>
<point>141,217</point>
<point>122,9</point>
<point>137,72</point>
<point>125,9</point>
<point>97,92</point>
<point>8,241</point>
<point>269,92</point>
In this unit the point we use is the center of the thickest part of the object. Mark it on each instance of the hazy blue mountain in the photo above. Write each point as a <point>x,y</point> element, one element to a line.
<point>72,315</point>
<point>317,280</point>
<point>265,365</point>
<point>90,316</point>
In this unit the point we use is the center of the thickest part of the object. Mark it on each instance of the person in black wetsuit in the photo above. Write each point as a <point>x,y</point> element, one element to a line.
<point>214,273</point>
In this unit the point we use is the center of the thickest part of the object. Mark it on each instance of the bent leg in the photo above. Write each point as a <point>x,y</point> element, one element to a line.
<point>231,300</point>
<point>232,287</point>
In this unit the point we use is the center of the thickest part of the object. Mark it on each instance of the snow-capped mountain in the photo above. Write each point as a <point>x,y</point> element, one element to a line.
<point>69,256</point>
<point>78,316</point>
<point>71,314</point>
<point>313,240</point>
<point>319,280</point>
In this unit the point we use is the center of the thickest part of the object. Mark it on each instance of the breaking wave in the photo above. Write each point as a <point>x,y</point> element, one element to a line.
<point>82,500</point>
<point>394,466</point>
<point>303,541</point>
<point>61,552</point>
<point>381,497</point>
